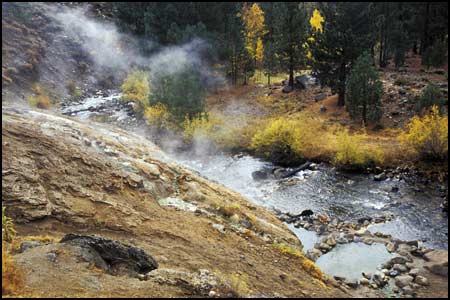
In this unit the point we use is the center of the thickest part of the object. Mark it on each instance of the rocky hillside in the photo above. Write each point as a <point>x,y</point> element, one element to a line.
<point>62,177</point>
<point>36,50</point>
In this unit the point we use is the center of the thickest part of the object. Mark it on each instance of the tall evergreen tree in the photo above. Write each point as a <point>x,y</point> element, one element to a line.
<point>347,33</point>
<point>364,90</point>
<point>290,35</point>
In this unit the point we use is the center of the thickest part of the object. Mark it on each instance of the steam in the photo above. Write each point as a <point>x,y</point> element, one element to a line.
<point>115,53</point>
<point>110,49</point>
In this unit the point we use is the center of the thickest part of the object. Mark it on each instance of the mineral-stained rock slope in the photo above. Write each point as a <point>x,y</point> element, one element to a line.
<point>61,177</point>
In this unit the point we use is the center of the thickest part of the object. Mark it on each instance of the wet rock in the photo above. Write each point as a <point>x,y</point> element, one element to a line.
<point>260,175</point>
<point>393,273</point>
<point>398,260</point>
<point>400,268</point>
<point>403,280</point>
<point>324,246</point>
<point>380,177</point>
<point>331,241</point>
<point>364,281</point>
<point>306,213</point>
<point>341,240</point>
<point>313,254</point>
<point>407,290</point>
<point>367,275</point>
<point>353,283</point>
<point>414,272</point>
<point>119,257</point>
<point>421,280</point>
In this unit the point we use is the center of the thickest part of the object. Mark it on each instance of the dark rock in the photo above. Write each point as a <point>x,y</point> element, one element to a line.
<point>323,108</point>
<point>306,213</point>
<point>287,89</point>
<point>320,97</point>
<point>260,175</point>
<point>380,177</point>
<point>118,256</point>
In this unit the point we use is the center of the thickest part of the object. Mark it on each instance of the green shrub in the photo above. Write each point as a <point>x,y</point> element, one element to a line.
<point>431,95</point>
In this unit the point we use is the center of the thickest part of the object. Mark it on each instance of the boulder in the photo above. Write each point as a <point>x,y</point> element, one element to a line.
<point>287,89</point>
<point>421,280</point>
<point>320,97</point>
<point>437,262</point>
<point>403,280</point>
<point>117,256</point>
<point>380,177</point>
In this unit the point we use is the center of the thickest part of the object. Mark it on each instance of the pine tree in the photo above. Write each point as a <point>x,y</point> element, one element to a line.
<point>290,34</point>
<point>364,90</point>
<point>347,33</point>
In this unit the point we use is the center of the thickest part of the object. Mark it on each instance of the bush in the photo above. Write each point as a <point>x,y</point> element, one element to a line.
<point>291,140</point>
<point>73,89</point>
<point>136,88</point>
<point>353,152</point>
<point>8,230</point>
<point>40,101</point>
<point>427,136</point>
<point>12,276</point>
<point>157,116</point>
<point>431,95</point>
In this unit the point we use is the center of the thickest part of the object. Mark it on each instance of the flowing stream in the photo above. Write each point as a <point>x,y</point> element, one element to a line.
<point>416,207</point>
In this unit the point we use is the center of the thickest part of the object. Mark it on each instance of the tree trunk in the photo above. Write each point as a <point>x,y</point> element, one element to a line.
<point>425,39</point>
<point>291,75</point>
<point>364,115</point>
<point>341,85</point>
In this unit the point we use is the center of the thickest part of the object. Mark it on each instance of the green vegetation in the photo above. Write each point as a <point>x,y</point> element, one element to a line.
<point>431,95</point>
<point>364,90</point>
<point>8,230</point>
<point>182,93</point>
<point>436,55</point>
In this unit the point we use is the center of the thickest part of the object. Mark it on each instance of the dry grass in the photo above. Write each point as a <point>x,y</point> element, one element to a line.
<point>306,264</point>
<point>12,276</point>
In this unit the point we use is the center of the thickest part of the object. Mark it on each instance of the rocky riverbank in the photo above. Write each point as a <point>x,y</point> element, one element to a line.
<point>406,274</point>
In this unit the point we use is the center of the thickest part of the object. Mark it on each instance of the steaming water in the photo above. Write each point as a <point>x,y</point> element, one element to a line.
<point>348,197</point>
<point>349,260</point>
<point>416,208</point>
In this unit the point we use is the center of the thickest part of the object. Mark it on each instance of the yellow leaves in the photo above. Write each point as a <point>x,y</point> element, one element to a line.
<point>316,21</point>
<point>253,19</point>
<point>427,136</point>
<point>157,116</point>
<point>259,50</point>
<point>136,88</point>
<point>354,151</point>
